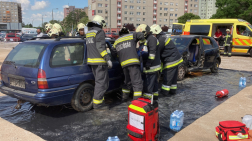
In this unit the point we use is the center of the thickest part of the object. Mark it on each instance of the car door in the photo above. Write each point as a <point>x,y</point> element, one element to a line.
<point>115,73</point>
<point>209,52</point>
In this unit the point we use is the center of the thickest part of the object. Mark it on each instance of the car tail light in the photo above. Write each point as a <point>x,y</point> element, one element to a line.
<point>42,82</point>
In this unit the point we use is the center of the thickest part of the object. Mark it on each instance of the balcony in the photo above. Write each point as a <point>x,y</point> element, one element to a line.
<point>154,13</point>
<point>185,9</point>
<point>119,11</point>
<point>119,5</point>
<point>119,24</point>
<point>119,18</point>
<point>155,1</point>
<point>154,19</point>
<point>155,7</point>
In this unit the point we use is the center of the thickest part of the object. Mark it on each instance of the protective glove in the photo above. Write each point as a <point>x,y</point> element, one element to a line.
<point>110,65</point>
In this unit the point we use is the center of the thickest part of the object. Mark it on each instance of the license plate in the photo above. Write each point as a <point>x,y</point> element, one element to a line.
<point>17,83</point>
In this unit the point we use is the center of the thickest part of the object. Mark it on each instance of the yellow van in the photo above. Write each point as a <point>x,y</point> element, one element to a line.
<point>240,29</point>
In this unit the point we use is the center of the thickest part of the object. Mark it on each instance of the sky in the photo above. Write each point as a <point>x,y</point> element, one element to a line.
<point>32,10</point>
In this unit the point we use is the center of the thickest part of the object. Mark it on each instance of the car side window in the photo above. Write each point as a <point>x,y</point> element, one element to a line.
<point>67,55</point>
<point>207,43</point>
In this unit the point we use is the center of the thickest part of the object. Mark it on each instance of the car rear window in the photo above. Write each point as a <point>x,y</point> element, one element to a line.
<point>26,54</point>
<point>108,33</point>
<point>199,29</point>
<point>17,35</point>
<point>11,35</point>
<point>177,29</point>
<point>30,35</point>
<point>181,43</point>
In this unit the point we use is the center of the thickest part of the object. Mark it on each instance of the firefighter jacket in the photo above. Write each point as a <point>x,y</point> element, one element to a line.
<point>228,40</point>
<point>169,53</point>
<point>153,61</point>
<point>96,47</point>
<point>125,47</point>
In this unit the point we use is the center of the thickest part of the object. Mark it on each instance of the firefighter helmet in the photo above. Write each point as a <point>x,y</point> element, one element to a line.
<point>155,29</point>
<point>227,30</point>
<point>53,31</point>
<point>48,26</point>
<point>124,30</point>
<point>57,26</point>
<point>144,29</point>
<point>99,20</point>
<point>80,26</point>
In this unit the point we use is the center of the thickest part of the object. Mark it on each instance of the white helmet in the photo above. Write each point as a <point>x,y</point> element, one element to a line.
<point>80,26</point>
<point>99,20</point>
<point>53,31</point>
<point>48,26</point>
<point>155,29</point>
<point>144,29</point>
<point>57,26</point>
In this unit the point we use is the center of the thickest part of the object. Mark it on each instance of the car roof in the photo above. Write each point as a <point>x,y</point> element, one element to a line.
<point>189,36</point>
<point>52,41</point>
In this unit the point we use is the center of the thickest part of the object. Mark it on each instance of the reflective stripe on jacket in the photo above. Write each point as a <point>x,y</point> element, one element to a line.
<point>228,40</point>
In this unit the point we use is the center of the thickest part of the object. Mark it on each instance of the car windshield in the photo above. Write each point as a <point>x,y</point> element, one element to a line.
<point>26,54</point>
<point>180,42</point>
<point>11,35</point>
<point>17,35</point>
<point>29,35</point>
<point>108,33</point>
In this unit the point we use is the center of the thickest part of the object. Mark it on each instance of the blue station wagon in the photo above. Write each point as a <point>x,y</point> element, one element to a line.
<point>54,72</point>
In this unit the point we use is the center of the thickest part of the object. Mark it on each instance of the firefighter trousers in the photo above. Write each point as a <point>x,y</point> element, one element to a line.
<point>133,79</point>
<point>101,84</point>
<point>169,85</point>
<point>151,85</point>
<point>227,50</point>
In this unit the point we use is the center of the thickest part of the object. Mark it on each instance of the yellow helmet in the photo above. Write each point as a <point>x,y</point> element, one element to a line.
<point>155,29</point>
<point>53,31</point>
<point>80,26</point>
<point>144,29</point>
<point>57,26</point>
<point>99,20</point>
<point>48,26</point>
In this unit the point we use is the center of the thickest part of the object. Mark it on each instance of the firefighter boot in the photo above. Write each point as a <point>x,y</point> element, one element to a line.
<point>125,97</point>
<point>101,107</point>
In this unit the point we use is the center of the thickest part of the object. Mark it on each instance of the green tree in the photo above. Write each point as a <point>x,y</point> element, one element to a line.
<point>54,21</point>
<point>238,9</point>
<point>73,19</point>
<point>23,24</point>
<point>187,16</point>
<point>30,25</point>
<point>84,20</point>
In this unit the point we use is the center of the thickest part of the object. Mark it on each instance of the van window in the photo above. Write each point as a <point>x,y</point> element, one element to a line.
<point>177,29</point>
<point>242,30</point>
<point>207,43</point>
<point>26,54</point>
<point>200,29</point>
<point>67,55</point>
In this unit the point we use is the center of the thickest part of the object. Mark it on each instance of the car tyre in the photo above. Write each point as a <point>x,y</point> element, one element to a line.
<point>82,99</point>
<point>215,67</point>
<point>181,72</point>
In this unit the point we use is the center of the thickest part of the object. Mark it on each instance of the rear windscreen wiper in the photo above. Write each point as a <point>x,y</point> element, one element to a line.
<point>12,63</point>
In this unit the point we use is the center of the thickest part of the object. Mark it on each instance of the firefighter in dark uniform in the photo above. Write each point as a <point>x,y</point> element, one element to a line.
<point>228,43</point>
<point>125,48</point>
<point>170,58</point>
<point>153,64</point>
<point>98,59</point>
<point>80,29</point>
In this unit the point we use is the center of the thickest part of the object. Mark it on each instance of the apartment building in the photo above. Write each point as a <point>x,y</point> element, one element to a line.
<point>72,8</point>
<point>162,12</point>
<point>10,12</point>
<point>207,8</point>
<point>192,6</point>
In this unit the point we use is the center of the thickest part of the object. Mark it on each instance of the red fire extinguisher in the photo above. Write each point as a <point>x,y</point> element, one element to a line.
<point>222,93</point>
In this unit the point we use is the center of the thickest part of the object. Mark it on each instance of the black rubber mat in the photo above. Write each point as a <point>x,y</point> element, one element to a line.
<point>195,97</point>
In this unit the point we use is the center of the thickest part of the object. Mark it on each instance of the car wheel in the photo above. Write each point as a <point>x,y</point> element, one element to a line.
<point>82,99</point>
<point>181,72</point>
<point>215,67</point>
<point>250,52</point>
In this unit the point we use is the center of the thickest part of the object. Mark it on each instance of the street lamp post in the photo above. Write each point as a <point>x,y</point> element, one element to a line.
<point>42,22</point>
<point>52,12</point>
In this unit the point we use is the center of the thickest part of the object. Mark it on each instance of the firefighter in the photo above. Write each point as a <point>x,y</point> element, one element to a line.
<point>98,59</point>
<point>125,47</point>
<point>170,58</point>
<point>53,33</point>
<point>228,43</point>
<point>152,66</point>
<point>81,27</point>
<point>48,27</point>
<point>59,28</point>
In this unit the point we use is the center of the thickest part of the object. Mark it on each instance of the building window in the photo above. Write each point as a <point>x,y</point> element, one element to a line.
<point>160,8</point>
<point>195,10</point>
<point>171,14</point>
<point>125,6</point>
<point>176,9</point>
<point>138,13</point>
<point>176,20</point>
<point>144,1</point>
<point>131,13</point>
<point>195,5</point>
<point>131,7</point>
<point>190,10</point>
<point>138,19</point>
<point>160,14</point>
<point>138,7</point>
<point>143,19</point>
<point>125,18</point>
<point>118,3</point>
<point>99,5</point>
<point>138,1</point>
<point>126,0</point>
<point>160,20</point>
<point>106,5</point>
<point>171,4</point>
<point>176,15</point>
<point>171,20</point>
<point>131,1</point>
<point>176,4</point>
<point>118,9</point>
<point>171,9</point>
<point>161,3</point>
<point>99,11</point>
<point>154,22</point>
<point>119,21</point>
<point>165,9</point>
<point>143,7</point>
<point>165,14</point>
<point>143,13</point>
<point>155,6</point>
<point>196,0</point>
<point>166,3</point>
<point>118,15</point>
<point>125,12</point>
<point>106,18</point>
<point>165,20</point>
<point>155,11</point>
<point>131,19</point>
<point>185,2</point>
<point>137,25</point>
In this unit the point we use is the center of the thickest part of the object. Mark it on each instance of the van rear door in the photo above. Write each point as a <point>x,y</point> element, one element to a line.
<point>201,29</point>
